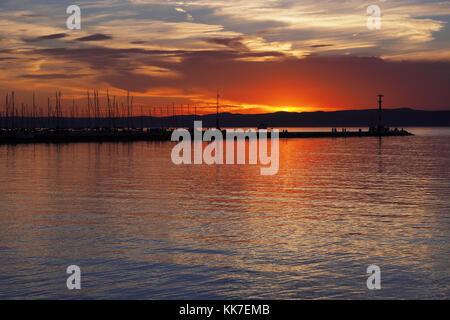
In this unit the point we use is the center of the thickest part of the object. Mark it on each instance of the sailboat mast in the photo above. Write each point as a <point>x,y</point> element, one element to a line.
<point>217,113</point>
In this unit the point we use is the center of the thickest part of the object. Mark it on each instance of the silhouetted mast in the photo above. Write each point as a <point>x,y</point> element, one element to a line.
<point>217,114</point>
<point>173,114</point>
<point>13,109</point>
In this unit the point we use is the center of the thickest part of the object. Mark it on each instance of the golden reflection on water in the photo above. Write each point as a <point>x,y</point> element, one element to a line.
<point>142,227</point>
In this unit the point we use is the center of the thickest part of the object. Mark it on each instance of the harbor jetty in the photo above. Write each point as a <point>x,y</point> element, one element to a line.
<point>156,134</point>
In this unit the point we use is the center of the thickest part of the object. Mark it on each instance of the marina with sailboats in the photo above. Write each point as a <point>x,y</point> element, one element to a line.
<point>127,122</point>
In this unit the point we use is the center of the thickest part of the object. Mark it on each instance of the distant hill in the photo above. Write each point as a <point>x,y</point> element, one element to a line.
<point>349,118</point>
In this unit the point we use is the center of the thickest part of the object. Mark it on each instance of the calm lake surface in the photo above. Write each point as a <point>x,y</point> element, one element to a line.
<point>141,227</point>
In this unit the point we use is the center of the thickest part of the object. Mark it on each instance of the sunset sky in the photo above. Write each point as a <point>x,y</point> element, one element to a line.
<point>262,55</point>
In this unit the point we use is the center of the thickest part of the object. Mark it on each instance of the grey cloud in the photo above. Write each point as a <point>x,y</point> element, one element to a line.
<point>95,37</point>
<point>320,45</point>
<point>47,37</point>
<point>233,43</point>
<point>120,67</point>
<point>51,76</point>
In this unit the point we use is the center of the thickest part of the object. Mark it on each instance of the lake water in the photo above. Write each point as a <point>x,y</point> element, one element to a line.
<point>141,227</point>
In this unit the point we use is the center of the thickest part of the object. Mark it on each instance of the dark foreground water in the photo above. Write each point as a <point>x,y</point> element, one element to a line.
<point>141,227</point>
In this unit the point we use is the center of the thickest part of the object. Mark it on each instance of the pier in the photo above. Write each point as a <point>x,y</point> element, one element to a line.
<point>156,134</point>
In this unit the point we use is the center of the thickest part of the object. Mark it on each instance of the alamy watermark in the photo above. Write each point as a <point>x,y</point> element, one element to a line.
<point>374,21</point>
<point>374,280</point>
<point>74,20</point>
<point>214,151</point>
<point>74,280</point>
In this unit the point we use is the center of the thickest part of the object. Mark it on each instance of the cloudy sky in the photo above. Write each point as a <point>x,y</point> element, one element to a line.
<point>262,55</point>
